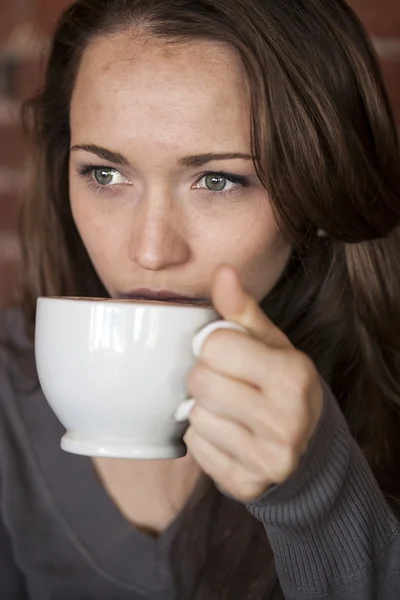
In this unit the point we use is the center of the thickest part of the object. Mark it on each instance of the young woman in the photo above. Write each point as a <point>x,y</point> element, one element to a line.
<point>241,152</point>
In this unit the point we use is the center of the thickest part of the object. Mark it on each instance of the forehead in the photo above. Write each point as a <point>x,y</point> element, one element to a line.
<point>139,87</point>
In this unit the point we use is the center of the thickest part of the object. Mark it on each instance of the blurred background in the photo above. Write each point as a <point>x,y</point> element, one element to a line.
<point>25,30</point>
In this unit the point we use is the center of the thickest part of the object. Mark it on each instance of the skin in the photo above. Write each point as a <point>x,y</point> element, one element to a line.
<point>155,225</point>
<point>155,229</point>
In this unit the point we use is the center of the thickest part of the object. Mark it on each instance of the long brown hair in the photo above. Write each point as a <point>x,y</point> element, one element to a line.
<point>326,149</point>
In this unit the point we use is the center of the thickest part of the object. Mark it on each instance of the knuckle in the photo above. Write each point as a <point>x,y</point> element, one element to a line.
<point>234,480</point>
<point>244,485</point>
<point>289,460</point>
<point>293,435</point>
<point>187,438</point>
<point>214,342</point>
<point>197,383</point>
<point>195,416</point>
<point>264,475</point>
<point>221,341</point>
<point>303,372</point>
<point>246,488</point>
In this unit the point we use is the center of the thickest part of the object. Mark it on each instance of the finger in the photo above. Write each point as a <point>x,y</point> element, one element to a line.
<point>284,420</point>
<point>231,437</point>
<point>234,439</point>
<point>213,461</point>
<point>230,476</point>
<point>246,359</point>
<point>234,303</point>
<point>228,398</point>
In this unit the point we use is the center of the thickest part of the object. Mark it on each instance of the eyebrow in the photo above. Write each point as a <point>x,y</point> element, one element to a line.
<point>103,153</point>
<point>196,160</point>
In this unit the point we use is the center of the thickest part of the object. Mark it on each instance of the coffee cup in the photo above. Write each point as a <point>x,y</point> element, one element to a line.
<point>114,372</point>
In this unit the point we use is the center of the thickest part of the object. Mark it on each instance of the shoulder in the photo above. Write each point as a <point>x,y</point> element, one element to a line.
<point>16,349</point>
<point>13,329</point>
<point>23,408</point>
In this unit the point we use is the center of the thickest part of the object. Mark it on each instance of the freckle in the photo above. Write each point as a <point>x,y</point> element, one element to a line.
<point>105,68</point>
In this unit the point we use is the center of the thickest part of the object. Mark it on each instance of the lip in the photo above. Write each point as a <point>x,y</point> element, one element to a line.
<point>161,295</point>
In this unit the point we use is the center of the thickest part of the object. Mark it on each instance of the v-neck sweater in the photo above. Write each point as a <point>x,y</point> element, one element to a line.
<point>62,538</point>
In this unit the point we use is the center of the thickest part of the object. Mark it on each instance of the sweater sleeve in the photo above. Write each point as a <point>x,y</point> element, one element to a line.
<point>332,532</point>
<point>12,585</point>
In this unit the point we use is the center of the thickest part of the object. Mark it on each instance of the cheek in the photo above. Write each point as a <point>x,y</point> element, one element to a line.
<point>95,228</point>
<point>262,261</point>
<point>253,244</point>
<point>80,209</point>
<point>265,268</point>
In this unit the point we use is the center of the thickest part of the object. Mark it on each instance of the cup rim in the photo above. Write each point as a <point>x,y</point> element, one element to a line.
<point>126,301</point>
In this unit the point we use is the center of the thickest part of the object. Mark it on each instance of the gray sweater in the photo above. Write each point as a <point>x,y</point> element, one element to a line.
<point>62,538</point>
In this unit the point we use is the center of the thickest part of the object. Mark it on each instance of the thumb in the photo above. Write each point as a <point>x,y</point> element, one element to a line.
<point>234,303</point>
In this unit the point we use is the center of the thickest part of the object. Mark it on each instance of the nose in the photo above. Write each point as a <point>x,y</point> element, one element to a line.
<point>158,238</point>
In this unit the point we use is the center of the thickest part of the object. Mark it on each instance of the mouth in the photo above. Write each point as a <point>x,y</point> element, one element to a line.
<point>162,296</point>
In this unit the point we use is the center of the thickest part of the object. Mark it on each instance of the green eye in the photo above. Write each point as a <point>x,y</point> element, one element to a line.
<point>215,183</point>
<point>103,176</point>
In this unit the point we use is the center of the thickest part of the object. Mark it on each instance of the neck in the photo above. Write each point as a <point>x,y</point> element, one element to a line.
<point>149,493</point>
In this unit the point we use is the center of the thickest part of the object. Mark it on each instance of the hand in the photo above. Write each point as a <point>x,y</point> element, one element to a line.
<point>258,399</point>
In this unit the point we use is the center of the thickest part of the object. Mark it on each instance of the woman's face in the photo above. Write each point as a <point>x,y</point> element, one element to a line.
<point>162,185</point>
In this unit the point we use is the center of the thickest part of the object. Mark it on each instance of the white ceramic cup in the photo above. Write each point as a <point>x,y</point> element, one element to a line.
<point>114,372</point>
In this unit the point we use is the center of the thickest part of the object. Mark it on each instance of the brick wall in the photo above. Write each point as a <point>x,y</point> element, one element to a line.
<point>25,27</point>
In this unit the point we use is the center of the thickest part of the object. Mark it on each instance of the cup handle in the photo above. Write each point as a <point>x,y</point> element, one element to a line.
<point>183,411</point>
